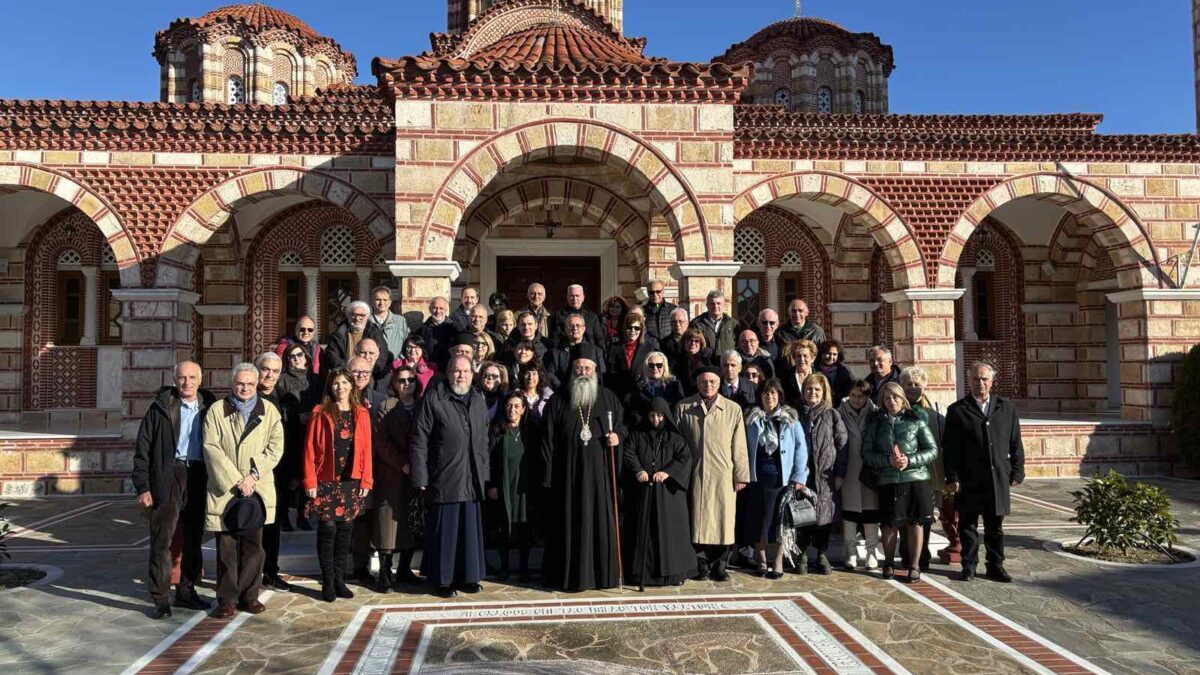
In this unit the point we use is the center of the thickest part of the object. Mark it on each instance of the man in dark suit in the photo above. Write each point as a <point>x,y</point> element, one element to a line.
<point>438,332</point>
<point>733,386</point>
<point>658,310</point>
<point>559,358</point>
<point>343,341</point>
<point>593,331</point>
<point>983,460</point>
<point>360,546</point>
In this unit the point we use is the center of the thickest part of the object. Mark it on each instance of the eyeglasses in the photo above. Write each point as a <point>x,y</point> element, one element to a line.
<point>769,323</point>
<point>360,373</point>
<point>297,355</point>
<point>305,330</point>
<point>653,292</point>
<point>634,329</point>
<point>405,380</point>
<point>491,376</point>
<point>655,366</point>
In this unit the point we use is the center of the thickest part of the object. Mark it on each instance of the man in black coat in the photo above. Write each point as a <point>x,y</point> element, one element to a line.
<point>593,331</point>
<point>450,462</point>
<point>748,347</point>
<point>717,326</point>
<point>984,459</point>
<point>658,311</point>
<point>883,370</point>
<point>171,483</point>
<point>438,332</point>
<point>670,344</point>
<point>343,341</point>
<point>733,386</point>
<point>558,359</point>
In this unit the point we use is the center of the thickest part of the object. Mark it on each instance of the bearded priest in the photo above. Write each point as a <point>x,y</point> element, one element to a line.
<point>584,428</point>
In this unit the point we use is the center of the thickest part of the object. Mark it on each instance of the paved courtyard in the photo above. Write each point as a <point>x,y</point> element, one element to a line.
<point>1061,616</point>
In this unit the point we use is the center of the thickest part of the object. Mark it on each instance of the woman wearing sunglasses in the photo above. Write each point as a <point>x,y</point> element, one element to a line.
<point>394,494</point>
<point>305,335</point>
<point>654,381</point>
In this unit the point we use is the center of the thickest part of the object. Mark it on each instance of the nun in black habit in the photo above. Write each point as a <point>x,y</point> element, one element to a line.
<point>658,544</point>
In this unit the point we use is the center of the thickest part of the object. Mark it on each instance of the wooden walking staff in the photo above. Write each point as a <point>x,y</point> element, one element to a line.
<point>612,468</point>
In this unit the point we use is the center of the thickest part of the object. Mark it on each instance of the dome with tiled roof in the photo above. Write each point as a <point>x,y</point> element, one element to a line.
<point>808,29</point>
<point>259,17</point>
<point>248,41</point>
<point>558,46</point>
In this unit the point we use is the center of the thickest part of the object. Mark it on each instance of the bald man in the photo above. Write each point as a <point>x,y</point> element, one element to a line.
<point>593,332</point>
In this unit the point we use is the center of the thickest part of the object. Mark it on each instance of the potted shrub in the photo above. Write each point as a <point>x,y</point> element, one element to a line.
<point>14,576</point>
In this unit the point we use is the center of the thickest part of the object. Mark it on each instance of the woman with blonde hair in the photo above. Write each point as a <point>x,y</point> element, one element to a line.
<point>826,435</point>
<point>655,380</point>
<point>801,356</point>
<point>899,445</point>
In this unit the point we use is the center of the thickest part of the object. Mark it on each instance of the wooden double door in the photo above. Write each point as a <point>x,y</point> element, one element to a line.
<point>515,273</point>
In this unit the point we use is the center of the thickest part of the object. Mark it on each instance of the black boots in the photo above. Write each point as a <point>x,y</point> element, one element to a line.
<point>404,573</point>
<point>383,583</point>
<point>341,549</point>
<point>326,540</point>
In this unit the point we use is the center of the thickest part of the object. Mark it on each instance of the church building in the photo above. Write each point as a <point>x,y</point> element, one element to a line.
<point>535,141</point>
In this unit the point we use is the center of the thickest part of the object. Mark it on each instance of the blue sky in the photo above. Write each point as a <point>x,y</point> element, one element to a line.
<point>1131,61</point>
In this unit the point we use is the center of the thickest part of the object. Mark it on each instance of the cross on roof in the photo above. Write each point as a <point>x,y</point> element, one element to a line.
<point>798,7</point>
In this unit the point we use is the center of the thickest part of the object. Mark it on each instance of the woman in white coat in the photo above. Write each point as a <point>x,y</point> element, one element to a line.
<point>860,504</point>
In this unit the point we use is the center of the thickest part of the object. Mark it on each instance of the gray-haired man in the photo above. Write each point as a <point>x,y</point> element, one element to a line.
<point>343,341</point>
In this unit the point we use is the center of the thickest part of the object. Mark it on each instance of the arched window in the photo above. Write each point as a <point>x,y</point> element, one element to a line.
<point>279,95</point>
<point>825,100</point>
<point>783,96</point>
<point>860,103</point>
<point>750,285</point>
<point>235,90</point>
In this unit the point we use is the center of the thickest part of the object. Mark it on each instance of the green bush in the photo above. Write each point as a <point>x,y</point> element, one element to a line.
<point>1186,408</point>
<point>1120,515</point>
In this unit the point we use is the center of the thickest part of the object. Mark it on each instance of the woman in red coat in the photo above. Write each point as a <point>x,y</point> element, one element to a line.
<point>337,475</point>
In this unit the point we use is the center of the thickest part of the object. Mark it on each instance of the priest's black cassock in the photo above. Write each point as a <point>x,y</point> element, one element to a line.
<point>657,534</point>
<point>581,540</point>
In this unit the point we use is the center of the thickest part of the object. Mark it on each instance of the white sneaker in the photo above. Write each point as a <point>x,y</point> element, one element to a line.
<point>872,563</point>
<point>851,563</point>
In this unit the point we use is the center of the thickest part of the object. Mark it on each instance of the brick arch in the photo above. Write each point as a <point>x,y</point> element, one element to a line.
<point>299,229</point>
<point>1007,352</point>
<point>614,214</point>
<point>862,203</point>
<point>20,176</point>
<point>53,378</point>
<point>1095,209</point>
<point>209,212</point>
<point>784,231</point>
<point>672,197</point>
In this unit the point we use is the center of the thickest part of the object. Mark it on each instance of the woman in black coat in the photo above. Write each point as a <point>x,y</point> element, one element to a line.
<point>829,364</point>
<point>654,381</point>
<point>625,357</point>
<point>299,391</point>
<point>695,354</point>
<point>658,549</point>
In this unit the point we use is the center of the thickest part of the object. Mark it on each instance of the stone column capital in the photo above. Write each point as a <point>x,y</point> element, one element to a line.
<point>1147,294</point>
<point>918,294</point>
<point>683,270</point>
<point>448,269</point>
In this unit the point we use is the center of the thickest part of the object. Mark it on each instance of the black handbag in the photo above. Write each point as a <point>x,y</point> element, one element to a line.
<point>800,509</point>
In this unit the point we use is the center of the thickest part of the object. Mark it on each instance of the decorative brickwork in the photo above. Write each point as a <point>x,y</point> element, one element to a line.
<point>299,231</point>
<point>883,317</point>
<point>789,241</point>
<point>57,376</point>
<point>994,251</point>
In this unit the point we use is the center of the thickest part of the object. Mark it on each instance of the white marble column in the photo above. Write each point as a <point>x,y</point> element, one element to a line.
<point>968,303</point>
<point>91,293</point>
<point>312,279</point>
<point>772,289</point>
<point>364,284</point>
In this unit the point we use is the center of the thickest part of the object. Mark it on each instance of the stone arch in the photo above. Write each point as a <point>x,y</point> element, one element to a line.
<point>209,212</point>
<point>672,197</point>
<point>20,176</point>
<point>785,232</point>
<point>613,213</point>
<point>1095,209</point>
<point>864,205</point>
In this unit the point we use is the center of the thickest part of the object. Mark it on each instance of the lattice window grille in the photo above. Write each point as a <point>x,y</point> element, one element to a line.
<point>825,100</point>
<point>279,95</point>
<point>749,247</point>
<point>69,258</point>
<point>235,91</point>
<point>859,103</point>
<point>380,260</point>
<point>790,259</point>
<point>107,257</point>
<point>337,246</point>
<point>290,259</point>
<point>984,258</point>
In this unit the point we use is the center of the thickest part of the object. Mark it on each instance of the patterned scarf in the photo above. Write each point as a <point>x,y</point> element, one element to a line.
<point>769,439</point>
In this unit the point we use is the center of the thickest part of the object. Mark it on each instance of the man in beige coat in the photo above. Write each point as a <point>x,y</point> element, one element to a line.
<point>243,441</point>
<point>714,429</point>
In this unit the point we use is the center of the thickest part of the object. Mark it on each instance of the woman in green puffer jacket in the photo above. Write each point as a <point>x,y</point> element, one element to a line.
<point>898,444</point>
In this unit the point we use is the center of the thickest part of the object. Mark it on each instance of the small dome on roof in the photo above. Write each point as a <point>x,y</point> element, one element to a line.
<point>257,16</point>
<point>804,29</point>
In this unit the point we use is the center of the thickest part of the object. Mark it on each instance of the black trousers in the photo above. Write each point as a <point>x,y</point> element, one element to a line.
<point>993,536</point>
<point>184,509</point>
<point>816,536</point>
<point>239,566</point>
<point>360,547</point>
<point>270,540</point>
<point>712,558</point>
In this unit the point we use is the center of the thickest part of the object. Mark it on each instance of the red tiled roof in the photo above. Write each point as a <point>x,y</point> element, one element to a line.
<point>558,46</point>
<point>257,16</point>
<point>804,29</point>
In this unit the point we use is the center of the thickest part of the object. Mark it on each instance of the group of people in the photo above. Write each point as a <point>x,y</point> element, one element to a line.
<point>639,445</point>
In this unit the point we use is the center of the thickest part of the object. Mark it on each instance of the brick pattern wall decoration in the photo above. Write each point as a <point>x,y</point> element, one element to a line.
<point>883,318</point>
<point>1006,352</point>
<point>790,241</point>
<point>301,232</point>
<point>57,376</point>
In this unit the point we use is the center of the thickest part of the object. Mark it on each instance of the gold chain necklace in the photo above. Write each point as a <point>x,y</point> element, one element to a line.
<point>585,434</point>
